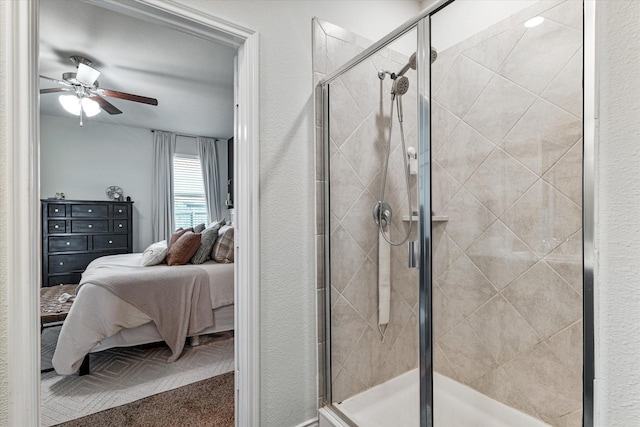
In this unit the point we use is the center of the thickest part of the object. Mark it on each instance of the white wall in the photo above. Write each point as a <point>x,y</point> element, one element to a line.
<point>287,269</point>
<point>618,215</point>
<point>464,18</point>
<point>83,161</point>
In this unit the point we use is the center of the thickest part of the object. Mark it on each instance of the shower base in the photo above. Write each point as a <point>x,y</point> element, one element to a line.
<point>396,403</point>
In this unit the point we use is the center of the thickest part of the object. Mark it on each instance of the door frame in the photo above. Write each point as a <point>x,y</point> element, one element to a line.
<point>22,250</point>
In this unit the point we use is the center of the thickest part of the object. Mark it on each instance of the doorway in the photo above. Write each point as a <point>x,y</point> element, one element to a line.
<point>23,302</point>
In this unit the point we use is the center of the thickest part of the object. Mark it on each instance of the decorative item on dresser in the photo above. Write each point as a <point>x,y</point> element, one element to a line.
<point>75,232</point>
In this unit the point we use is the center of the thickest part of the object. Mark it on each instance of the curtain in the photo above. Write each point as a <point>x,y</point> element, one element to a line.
<point>164,147</point>
<point>208,155</point>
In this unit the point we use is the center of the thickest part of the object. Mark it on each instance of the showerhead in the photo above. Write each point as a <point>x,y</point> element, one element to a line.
<point>400,86</point>
<point>412,64</point>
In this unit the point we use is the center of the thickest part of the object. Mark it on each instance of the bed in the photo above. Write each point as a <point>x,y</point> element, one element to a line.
<point>99,319</point>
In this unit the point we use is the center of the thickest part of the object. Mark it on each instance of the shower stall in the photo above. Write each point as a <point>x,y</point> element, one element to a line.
<point>455,218</point>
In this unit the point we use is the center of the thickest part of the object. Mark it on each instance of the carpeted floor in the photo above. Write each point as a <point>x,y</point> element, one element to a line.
<point>126,375</point>
<point>205,403</point>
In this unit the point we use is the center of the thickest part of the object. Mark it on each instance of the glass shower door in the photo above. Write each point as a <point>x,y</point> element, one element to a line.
<point>506,167</point>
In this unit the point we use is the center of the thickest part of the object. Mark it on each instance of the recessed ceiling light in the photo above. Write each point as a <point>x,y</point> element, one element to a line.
<point>534,22</point>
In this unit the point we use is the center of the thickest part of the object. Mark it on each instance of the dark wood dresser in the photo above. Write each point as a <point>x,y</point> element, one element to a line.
<point>75,232</point>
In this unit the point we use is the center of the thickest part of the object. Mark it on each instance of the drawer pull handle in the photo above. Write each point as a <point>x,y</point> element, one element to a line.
<point>55,210</point>
<point>90,210</point>
<point>110,241</point>
<point>56,226</point>
<point>68,243</point>
<point>120,225</point>
<point>61,263</point>
<point>119,210</point>
<point>90,226</point>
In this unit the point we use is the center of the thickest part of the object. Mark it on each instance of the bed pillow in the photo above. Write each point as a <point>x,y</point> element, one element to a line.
<point>176,235</point>
<point>199,228</point>
<point>208,238</point>
<point>154,254</point>
<point>223,247</point>
<point>183,249</point>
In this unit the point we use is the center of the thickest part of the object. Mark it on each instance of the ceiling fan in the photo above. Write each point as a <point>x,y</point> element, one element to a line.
<point>87,97</point>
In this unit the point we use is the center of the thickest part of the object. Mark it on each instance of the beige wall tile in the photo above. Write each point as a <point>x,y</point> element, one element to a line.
<point>445,251</point>
<point>567,13</point>
<point>498,108</point>
<point>345,186</point>
<point>543,378</point>
<point>364,151</point>
<point>445,314</point>
<point>540,55</point>
<point>462,85</point>
<point>344,386</point>
<point>542,136</point>
<point>565,90</point>
<point>364,363</point>
<point>360,224</point>
<point>501,255</point>
<point>362,292</point>
<point>346,258</point>
<point>543,218</point>
<point>466,286</point>
<point>545,300</point>
<point>443,123</point>
<point>468,219</point>
<point>346,328</point>
<point>467,354</point>
<point>500,181</point>
<point>344,114</point>
<point>563,174</point>
<point>501,328</point>
<point>464,152</point>
<point>498,385</point>
<point>492,52</point>
<point>566,260</point>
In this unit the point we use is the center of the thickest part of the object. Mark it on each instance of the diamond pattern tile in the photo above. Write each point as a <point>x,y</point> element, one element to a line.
<point>543,218</point>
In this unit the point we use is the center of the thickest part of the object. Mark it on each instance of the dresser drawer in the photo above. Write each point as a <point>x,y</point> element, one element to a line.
<point>57,226</point>
<point>89,226</point>
<point>64,279</point>
<point>110,241</point>
<point>89,211</point>
<point>67,243</point>
<point>70,263</point>
<point>57,210</point>
<point>120,211</point>
<point>120,226</point>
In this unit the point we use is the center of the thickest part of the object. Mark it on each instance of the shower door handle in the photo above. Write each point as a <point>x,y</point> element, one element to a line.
<point>414,254</point>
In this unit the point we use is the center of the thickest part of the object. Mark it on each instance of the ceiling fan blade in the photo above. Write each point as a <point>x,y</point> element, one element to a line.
<point>61,82</point>
<point>56,89</point>
<point>105,105</point>
<point>87,75</point>
<point>127,96</point>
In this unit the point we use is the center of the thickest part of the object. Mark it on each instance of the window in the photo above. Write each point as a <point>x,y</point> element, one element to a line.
<point>189,204</point>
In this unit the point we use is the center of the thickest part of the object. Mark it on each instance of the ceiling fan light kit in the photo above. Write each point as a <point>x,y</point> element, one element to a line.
<point>73,104</point>
<point>89,99</point>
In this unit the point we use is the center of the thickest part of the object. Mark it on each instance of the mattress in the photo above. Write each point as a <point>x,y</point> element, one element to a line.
<point>99,320</point>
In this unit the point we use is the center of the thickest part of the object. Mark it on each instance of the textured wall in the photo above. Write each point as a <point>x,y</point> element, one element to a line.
<point>507,172</point>
<point>359,129</point>
<point>618,229</point>
<point>287,186</point>
<point>4,395</point>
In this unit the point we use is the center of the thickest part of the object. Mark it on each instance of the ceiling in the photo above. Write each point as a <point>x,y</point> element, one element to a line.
<point>191,78</point>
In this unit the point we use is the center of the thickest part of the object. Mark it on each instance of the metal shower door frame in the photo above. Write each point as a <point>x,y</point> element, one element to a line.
<point>423,53</point>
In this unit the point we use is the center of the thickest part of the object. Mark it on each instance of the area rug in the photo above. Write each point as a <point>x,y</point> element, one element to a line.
<point>202,404</point>
<point>125,375</point>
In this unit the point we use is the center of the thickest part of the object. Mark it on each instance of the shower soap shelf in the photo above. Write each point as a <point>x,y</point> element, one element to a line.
<point>434,218</point>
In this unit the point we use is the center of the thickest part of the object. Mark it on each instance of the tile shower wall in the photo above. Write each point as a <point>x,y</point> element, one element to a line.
<point>359,125</point>
<point>507,171</point>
